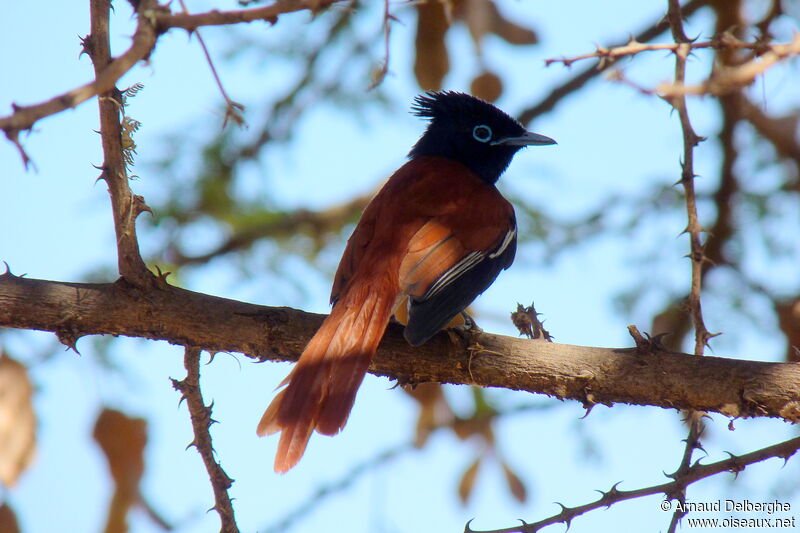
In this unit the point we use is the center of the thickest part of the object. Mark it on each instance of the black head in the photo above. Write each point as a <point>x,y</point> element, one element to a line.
<point>472,132</point>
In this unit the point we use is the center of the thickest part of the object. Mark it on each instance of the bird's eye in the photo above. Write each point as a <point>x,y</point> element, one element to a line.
<point>482,133</point>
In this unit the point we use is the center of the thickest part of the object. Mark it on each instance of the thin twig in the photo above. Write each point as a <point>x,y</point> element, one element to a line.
<point>694,419</point>
<point>579,80</point>
<point>690,140</point>
<point>24,117</point>
<point>633,47</point>
<point>697,255</point>
<point>232,109</point>
<point>153,21</point>
<point>328,221</point>
<point>695,473</point>
<point>729,79</point>
<point>200,414</point>
<point>270,13</point>
<point>380,74</point>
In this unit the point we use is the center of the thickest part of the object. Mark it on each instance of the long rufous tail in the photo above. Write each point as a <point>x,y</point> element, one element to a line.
<point>322,387</point>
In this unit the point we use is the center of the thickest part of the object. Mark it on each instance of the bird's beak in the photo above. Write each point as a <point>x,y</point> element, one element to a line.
<point>528,139</point>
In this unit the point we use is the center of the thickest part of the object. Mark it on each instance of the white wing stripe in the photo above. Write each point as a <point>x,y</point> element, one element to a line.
<point>459,268</point>
<point>467,262</point>
<point>503,245</point>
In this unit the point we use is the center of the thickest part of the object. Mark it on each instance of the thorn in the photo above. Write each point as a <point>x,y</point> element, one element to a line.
<point>161,277</point>
<point>610,494</point>
<point>468,529</point>
<point>787,457</point>
<point>69,338</point>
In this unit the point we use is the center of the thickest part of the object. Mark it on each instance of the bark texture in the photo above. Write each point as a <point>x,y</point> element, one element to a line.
<point>733,387</point>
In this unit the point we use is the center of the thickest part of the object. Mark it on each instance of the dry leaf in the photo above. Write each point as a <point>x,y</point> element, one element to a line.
<point>122,439</point>
<point>488,86</point>
<point>789,321</point>
<point>482,17</point>
<point>431,63</point>
<point>8,520</point>
<point>674,321</point>
<point>509,31</point>
<point>17,420</point>
<point>515,484</point>
<point>467,482</point>
<point>434,411</point>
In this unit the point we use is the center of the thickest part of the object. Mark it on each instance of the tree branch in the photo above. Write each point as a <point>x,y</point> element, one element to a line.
<point>144,39</point>
<point>153,20</point>
<point>736,388</point>
<point>633,47</point>
<point>690,140</point>
<point>125,205</point>
<point>200,415</point>
<point>729,79</point>
<point>579,80</point>
<point>696,246</point>
<point>215,17</point>
<point>324,222</point>
<point>695,473</point>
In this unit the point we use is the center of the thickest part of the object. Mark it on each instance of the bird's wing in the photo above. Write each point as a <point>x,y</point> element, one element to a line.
<point>446,268</point>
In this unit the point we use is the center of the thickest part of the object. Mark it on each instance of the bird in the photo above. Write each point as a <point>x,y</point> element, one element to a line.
<point>431,240</point>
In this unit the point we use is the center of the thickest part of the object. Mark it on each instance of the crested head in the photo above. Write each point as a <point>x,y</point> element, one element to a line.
<point>471,131</point>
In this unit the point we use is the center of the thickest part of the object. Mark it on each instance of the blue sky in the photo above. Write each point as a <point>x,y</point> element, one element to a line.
<point>57,225</point>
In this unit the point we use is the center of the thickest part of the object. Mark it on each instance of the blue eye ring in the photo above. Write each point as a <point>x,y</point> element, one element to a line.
<point>482,133</point>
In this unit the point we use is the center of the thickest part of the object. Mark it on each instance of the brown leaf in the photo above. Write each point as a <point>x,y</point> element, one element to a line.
<point>122,439</point>
<point>511,32</point>
<point>515,484</point>
<point>8,520</point>
<point>789,322</point>
<point>17,420</point>
<point>482,17</point>
<point>431,63</point>
<point>467,482</point>
<point>488,86</point>
<point>434,410</point>
<point>674,322</point>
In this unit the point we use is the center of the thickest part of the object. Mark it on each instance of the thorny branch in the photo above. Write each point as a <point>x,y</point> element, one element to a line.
<point>575,83</point>
<point>232,109</point>
<point>697,254</point>
<point>380,74</point>
<point>126,206</point>
<point>200,415</point>
<point>633,47</point>
<point>693,474</point>
<point>694,419</point>
<point>153,21</point>
<point>270,13</point>
<point>730,79</point>
<point>690,140</point>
